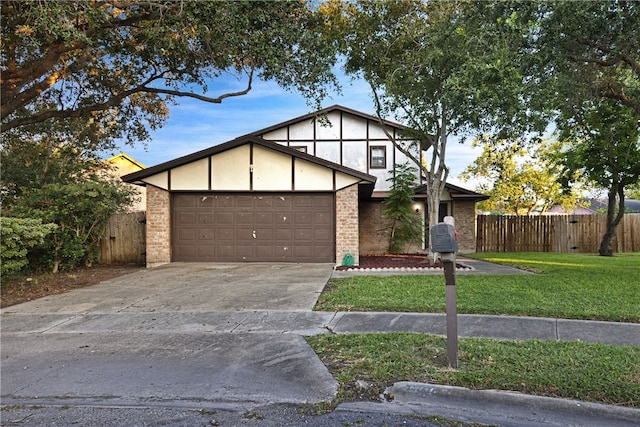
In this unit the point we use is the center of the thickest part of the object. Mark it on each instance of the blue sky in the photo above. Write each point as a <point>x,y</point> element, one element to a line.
<point>195,125</point>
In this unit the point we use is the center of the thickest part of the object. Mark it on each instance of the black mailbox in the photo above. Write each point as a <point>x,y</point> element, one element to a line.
<point>443,238</point>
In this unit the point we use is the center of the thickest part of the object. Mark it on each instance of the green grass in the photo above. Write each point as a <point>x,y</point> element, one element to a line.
<point>574,370</point>
<point>567,286</point>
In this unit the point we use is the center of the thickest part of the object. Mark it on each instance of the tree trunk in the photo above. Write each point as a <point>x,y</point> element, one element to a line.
<point>613,218</point>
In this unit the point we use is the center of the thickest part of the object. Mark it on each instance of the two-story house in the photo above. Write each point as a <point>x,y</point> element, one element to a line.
<point>306,190</point>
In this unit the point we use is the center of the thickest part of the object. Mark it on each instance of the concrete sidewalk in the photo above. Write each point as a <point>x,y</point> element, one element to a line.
<point>307,323</point>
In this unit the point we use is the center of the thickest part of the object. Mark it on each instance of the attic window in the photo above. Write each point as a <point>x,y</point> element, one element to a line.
<point>378,157</point>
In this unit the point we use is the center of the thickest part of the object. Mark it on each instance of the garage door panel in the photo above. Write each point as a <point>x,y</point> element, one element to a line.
<point>320,218</point>
<point>207,218</point>
<point>224,202</point>
<point>264,218</point>
<point>265,251</point>
<point>224,218</point>
<point>244,252</point>
<point>322,234</point>
<point>188,218</point>
<point>253,227</point>
<point>244,235</point>
<point>206,202</point>
<point>302,218</point>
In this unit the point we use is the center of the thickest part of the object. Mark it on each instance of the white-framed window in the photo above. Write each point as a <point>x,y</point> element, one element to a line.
<point>377,157</point>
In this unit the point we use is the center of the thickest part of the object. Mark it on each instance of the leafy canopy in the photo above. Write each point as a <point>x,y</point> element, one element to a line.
<point>117,65</point>
<point>521,177</point>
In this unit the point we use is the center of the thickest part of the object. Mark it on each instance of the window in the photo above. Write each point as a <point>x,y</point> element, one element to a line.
<point>301,148</point>
<point>378,157</point>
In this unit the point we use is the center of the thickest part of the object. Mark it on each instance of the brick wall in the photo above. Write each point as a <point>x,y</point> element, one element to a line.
<point>347,240</point>
<point>158,226</point>
<point>375,229</point>
<point>464,213</point>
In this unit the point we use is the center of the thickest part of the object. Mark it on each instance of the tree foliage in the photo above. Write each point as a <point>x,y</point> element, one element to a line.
<point>80,210</point>
<point>117,65</point>
<point>589,60</point>
<point>17,236</point>
<point>404,225</point>
<point>605,148</point>
<point>522,177</point>
<point>436,67</point>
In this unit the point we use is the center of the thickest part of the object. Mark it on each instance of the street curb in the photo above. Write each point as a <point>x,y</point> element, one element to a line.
<point>416,393</point>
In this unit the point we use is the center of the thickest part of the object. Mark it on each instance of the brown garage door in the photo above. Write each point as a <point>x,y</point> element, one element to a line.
<point>291,227</point>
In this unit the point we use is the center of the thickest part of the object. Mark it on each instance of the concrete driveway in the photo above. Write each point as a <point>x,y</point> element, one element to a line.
<point>171,334</point>
<point>195,287</point>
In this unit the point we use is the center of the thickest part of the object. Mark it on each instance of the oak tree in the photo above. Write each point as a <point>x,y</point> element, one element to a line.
<point>119,64</point>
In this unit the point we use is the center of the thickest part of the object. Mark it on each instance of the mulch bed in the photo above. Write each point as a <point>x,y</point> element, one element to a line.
<point>392,261</point>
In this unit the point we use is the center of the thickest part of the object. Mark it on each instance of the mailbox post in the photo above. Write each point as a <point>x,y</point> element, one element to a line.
<point>443,240</point>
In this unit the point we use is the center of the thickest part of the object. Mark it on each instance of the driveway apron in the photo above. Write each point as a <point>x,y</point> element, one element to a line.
<point>193,333</point>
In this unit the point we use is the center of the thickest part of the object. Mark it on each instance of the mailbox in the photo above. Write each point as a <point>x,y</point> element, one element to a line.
<point>443,238</point>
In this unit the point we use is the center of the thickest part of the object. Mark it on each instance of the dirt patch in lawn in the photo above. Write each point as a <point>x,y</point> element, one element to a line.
<point>25,288</point>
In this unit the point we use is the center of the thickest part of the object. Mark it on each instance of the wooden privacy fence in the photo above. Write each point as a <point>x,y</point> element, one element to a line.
<point>554,233</point>
<point>124,239</point>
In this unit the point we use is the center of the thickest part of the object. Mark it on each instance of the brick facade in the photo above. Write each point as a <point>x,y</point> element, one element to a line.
<point>347,233</point>
<point>158,226</point>
<point>375,229</point>
<point>464,213</point>
<point>374,232</point>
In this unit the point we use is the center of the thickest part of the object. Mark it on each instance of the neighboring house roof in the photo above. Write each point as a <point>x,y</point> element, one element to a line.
<point>137,177</point>
<point>124,164</point>
<point>630,205</point>
<point>575,211</point>
<point>596,206</point>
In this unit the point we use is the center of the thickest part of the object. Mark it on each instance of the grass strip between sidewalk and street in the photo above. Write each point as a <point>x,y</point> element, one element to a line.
<point>574,370</point>
<point>570,286</point>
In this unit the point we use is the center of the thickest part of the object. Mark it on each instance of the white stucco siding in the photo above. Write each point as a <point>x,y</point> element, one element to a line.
<point>276,135</point>
<point>354,127</point>
<point>311,177</point>
<point>344,180</point>
<point>354,155</point>
<point>192,176</point>
<point>376,131</point>
<point>330,130</point>
<point>271,170</point>
<point>303,130</point>
<point>382,174</point>
<point>328,150</point>
<point>160,180</point>
<point>230,170</point>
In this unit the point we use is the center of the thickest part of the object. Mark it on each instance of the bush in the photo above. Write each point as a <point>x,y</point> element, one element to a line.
<point>17,236</point>
<point>81,211</point>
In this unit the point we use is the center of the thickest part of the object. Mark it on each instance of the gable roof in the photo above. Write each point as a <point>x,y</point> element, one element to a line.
<point>323,112</point>
<point>136,177</point>
<point>457,193</point>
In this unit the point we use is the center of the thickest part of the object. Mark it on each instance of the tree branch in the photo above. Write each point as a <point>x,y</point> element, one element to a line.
<point>116,99</point>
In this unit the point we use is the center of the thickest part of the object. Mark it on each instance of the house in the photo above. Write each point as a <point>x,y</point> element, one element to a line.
<point>306,190</point>
<point>123,164</point>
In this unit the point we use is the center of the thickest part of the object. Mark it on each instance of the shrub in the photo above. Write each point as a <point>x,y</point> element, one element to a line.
<point>17,236</point>
<point>81,211</point>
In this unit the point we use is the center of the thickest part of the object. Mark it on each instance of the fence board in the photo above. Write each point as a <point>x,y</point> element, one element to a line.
<point>554,233</point>
<point>124,239</point>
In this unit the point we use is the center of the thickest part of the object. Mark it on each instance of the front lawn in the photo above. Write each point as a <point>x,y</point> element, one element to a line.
<point>570,286</point>
<point>575,370</point>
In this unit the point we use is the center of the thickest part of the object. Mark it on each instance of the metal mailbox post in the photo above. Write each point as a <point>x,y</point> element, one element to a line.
<point>444,241</point>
